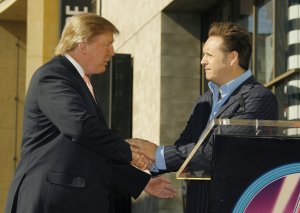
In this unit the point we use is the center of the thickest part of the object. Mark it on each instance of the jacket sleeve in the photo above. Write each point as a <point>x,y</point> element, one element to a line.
<point>175,155</point>
<point>128,179</point>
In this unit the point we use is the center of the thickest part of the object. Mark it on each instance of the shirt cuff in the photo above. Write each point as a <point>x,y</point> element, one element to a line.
<point>160,163</point>
<point>160,158</point>
<point>153,168</point>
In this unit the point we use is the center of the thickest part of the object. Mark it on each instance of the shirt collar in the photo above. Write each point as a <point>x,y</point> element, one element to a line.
<point>228,88</point>
<point>75,64</point>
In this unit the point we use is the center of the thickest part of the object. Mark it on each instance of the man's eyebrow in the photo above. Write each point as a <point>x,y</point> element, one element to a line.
<point>207,52</point>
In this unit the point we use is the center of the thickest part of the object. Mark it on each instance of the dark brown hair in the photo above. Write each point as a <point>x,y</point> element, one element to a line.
<point>235,39</point>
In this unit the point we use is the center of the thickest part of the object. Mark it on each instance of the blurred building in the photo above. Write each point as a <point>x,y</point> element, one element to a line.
<point>163,39</point>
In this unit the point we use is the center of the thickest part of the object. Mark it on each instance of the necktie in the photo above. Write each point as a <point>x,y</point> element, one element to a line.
<point>89,85</point>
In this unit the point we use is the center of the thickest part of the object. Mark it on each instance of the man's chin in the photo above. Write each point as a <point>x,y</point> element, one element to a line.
<point>208,77</point>
<point>100,71</point>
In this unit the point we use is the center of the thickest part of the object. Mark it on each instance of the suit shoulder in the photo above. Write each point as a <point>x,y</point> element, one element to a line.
<point>54,67</point>
<point>260,92</point>
<point>203,103</point>
<point>205,97</point>
<point>260,89</point>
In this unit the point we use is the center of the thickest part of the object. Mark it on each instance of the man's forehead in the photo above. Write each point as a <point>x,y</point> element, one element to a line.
<point>106,36</point>
<point>213,42</point>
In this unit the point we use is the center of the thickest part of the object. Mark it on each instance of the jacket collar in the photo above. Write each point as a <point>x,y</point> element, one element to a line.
<point>74,71</point>
<point>244,88</point>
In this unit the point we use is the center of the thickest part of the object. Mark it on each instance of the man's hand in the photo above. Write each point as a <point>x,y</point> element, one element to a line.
<point>143,147</point>
<point>160,187</point>
<point>140,161</point>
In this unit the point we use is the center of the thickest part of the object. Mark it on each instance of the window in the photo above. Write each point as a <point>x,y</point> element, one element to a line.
<point>264,44</point>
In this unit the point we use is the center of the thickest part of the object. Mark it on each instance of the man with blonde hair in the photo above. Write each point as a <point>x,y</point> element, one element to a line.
<point>68,152</point>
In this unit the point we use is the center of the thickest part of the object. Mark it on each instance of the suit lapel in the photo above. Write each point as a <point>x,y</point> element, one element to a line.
<point>70,66</point>
<point>83,85</point>
<point>237,93</point>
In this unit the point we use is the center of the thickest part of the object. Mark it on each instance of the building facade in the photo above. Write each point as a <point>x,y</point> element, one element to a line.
<point>164,39</point>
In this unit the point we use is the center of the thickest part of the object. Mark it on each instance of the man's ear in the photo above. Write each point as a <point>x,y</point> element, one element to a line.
<point>234,57</point>
<point>82,48</point>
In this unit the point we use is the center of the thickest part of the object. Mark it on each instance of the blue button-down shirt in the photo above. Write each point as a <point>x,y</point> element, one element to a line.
<point>225,91</point>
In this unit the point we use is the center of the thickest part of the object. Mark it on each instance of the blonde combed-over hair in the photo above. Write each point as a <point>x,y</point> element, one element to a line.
<point>82,28</point>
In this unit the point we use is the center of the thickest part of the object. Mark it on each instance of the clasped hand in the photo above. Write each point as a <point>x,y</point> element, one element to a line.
<point>143,155</point>
<point>143,152</point>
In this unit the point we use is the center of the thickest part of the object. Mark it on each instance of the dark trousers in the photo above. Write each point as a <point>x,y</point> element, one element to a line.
<point>198,199</point>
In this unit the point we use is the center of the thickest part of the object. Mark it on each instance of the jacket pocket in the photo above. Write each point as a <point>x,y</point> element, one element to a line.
<point>65,179</point>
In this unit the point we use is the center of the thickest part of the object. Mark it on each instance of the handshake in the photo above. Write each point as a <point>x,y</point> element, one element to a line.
<point>143,153</point>
<point>143,156</point>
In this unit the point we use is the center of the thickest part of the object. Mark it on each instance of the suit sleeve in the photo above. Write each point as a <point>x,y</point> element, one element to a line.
<point>176,155</point>
<point>128,179</point>
<point>59,98</point>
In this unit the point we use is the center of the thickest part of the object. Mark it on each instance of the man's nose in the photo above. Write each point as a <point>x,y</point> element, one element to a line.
<point>112,51</point>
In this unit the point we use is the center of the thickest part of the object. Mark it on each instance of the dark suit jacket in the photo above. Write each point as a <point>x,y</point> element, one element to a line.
<point>259,103</point>
<point>67,149</point>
